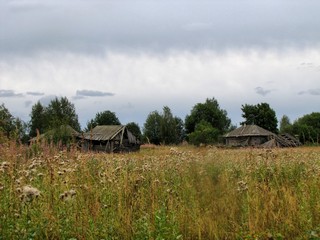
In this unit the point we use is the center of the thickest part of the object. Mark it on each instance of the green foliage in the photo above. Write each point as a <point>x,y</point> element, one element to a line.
<point>152,127</point>
<point>312,119</point>
<point>134,129</point>
<point>211,113</point>
<point>285,124</point>
<point>54,120</point>
<point>61,112</point>
<point>103,118</point>
<point>163,128</point>
<point>6,121</point>
<point>61,135</point>
<point>204,134</point>
<point>38,119</point>
<point>166,226</point>
<point>171,128</point>
<point>20,132</point>
<point>180,133</point>
<point>262,115</point>
<point>12,128</point>
<point>307,128</point>
<point>167,126</point>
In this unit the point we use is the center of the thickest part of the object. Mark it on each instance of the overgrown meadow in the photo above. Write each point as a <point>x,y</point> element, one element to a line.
<point>159,193</point>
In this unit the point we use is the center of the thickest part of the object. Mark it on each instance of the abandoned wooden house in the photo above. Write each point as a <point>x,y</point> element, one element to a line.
<point>109,138</point>
<point>253,135</point>
<point>248,135</point>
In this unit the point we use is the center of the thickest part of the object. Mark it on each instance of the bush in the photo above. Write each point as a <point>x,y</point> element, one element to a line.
<point>204,134</point>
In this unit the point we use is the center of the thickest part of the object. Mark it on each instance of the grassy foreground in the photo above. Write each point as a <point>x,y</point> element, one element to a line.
<point>160,193</point>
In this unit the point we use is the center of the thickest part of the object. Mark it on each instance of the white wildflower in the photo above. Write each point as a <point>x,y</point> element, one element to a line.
<point>29,193</point>
<point>68,195</point>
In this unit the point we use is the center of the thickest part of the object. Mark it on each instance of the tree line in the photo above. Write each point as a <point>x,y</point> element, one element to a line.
<point>206,123</point>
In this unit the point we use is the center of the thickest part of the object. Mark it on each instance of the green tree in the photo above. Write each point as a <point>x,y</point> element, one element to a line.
<point>11,127</point>
<point>54,120</point>
<point>152,126</point>
<point>6,121</point>
<point>134,129</point>
<point>38,119</point>
<point>210,112</point>
<point>103,118</point>
<point>285,125</point>
<point>164,128</point>
<point>61,112</point>
<point>204,134</point>
<point>308,128</point>
<point>21,130</point>
<point>180,133</point>
<point>167,127</point>
<point>262,115</point>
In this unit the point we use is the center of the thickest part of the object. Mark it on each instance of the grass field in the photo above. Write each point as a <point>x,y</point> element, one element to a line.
<point>160,193</point>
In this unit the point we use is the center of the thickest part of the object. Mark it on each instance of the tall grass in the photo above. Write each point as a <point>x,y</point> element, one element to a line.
<point>159,193</point>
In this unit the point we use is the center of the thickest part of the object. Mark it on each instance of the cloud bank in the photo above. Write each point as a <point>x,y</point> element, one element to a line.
<point>92,93</point>
<point>145,82</point>
<point>92,26</point>
<point>9,93</point>
<point>133,57</point>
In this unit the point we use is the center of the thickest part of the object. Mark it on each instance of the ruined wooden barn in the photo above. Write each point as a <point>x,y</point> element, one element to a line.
<point>63,134</point>
<point>109,138</point>
<point>253,135</point>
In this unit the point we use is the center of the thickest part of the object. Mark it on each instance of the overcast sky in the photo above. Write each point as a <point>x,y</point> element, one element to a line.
<point>135,56</point>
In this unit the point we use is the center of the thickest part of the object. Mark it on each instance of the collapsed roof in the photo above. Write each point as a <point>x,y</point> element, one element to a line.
<point>243,136</point>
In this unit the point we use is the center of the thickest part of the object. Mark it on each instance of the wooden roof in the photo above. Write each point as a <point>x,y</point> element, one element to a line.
<point>108,132</point>
<point>249,130</point>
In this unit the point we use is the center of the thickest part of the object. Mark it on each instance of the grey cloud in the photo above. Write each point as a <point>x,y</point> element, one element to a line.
<point>17,6</point>
<point>35,93</point>
<point>78,97</point>
<point>91,93</point>
<point>92,26</point>
<point>314,92</point>
<point>263,92</point>
<point>9,93</point>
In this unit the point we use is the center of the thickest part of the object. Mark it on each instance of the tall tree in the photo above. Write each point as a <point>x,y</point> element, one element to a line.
<point>11,127</point>
<point>61,112</point>
<point>21,131</point>
<point>262,115</point>
<point>167,126</point>
<point>134,129</point>
<point>6,121</point>
<point>38,119</point>
<point>179,130</point>
<point>152,127</point>
<point>285,124</point>
<point>103,118</point>
<point>163,127</point>
<point>210,112</point>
